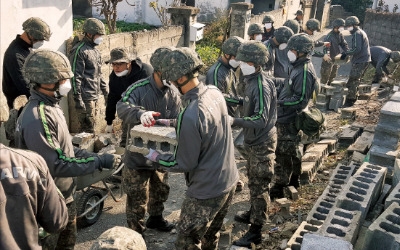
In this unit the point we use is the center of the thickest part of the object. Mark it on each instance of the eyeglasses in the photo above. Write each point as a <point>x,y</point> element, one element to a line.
<point>119,64</point>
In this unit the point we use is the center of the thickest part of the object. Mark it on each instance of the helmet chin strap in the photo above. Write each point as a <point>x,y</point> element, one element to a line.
<point>190,76</point>
<point>55,89</point>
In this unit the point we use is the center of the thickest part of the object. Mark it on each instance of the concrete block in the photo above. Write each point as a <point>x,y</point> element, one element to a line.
<point>321,98</point>
<point>84,141</point>
<point>319,148</point>
<point>329,90</point>
<point>312,241</point>
<point>395,97</point>
<point>293,193</point>
<point>156,137</point>
<point>335,103</point>
<point>297,238</point>
<point>311,161</point>
<point>393,197</point>
<point>364,88</point>
<point>331,143</point>
<point>349,135</point>
<point>390,114</point>
<point>348,113</point>
<point>362,144</point>
<point>365,97</point>
<point>396,172</point>
<point>322,105</point>
<point>329,135</point>
<point>387,136</point>
<point>383,156</point>
<point>358,157</point>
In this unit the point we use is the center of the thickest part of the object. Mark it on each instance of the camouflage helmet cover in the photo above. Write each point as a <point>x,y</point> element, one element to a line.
<point>292,24</point>
<point>231,45</point>
<point>180,62</point>
<point>37,28</point>
<point>299,13</point>
<point>45,66</point>
<point>4,113</point>
<point>268,19</point>
<point>338,22</point>
<point>252,51</point>
<point>94,26</point>
<point>301,42</point>
<point>255,28</point>
<point>119,55</point>
<point>352,20</point>
<point>395,56</point>
<point>313,24</point>
<point>282,34</point>
<point>158,55</point>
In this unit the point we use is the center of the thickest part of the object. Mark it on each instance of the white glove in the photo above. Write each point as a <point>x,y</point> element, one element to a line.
<point>152,156</point>
<point>327,44</point>
<point>327,58</point>
<point>147,118</point>
<point>109,129</point>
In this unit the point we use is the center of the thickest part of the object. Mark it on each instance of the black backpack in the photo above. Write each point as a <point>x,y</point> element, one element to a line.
<point>310,121</point>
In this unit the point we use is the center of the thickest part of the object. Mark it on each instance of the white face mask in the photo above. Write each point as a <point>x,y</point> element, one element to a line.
<point>341,29</point>
<point>37,45</point>
<point>292,56</point>
<point>122,73</point>
<point>268,25</point>
<point>165,83</point>
<point>234,63</point>
<point>349,28</point>
<point>98,40</point>
<point>247,69</point>
<point>282,46</point>
<point>63,89</point>
<point>258,37</point>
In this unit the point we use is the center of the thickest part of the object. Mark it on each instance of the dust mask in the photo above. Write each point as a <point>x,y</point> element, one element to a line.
<point>234,63</point>
<point>122,73</point>
<point>98,40</point>
<point>282,46</point>
<point>268,26</point>
<point>291,56</point>
<point>63,89</point>
<point>37,44</point>
<point>341,29</point>
<point>258,37</point>
<point>350,28</point>
<point>165,83</point>
<point>247,69</point>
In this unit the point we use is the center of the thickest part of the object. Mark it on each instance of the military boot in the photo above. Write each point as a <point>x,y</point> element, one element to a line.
<point>159,223</point>
<point>243,217</point>
<point>252,236</point>
<point>276,192</point>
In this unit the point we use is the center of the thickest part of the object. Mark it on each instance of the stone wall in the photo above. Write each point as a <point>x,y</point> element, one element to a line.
<point>382,29</point>
<point>337,11</point>
<point>279,15</point>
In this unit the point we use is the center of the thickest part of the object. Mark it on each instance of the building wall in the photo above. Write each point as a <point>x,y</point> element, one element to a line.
<point>389,3</point>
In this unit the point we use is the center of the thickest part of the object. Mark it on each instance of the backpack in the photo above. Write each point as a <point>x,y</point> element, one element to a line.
<point>310,121</point>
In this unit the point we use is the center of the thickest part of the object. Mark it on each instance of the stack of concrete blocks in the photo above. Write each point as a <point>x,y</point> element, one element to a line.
<point>297,238</point>
<point>364,91</point>
<point>385,145</point>
<point>84,141</point>
<point>332,96</point>
<point>160,138</point>
<point>311,161</point>
<point>393,197</point>
<point>362,143</point>
<point>314,241</point>
<point>349,135</point>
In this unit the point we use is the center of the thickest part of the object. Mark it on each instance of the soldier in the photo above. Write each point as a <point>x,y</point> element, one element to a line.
<point>329,68</point>
<point>259,131</point>
<point>360,58</point>
<point>313,26</point>
<point>380,57</point>
<point>29,197</point>
<point>42,128</point>
<point>293,25</point>
<point>125,72</point>
<point>205,153</point>
<point>87,82</point>
<point>255,31</point>
<point>147,189</point>
<point>269,28</point>
<point>293,97</point>
<point>299,19</point>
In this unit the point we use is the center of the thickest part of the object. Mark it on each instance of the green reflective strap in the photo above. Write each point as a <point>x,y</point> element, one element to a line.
<point>74,66</point>
<point>132,88</point>
<point>216,74</point>
<point>303,88</point>
<point>231,100</point>
<point>261,108</point>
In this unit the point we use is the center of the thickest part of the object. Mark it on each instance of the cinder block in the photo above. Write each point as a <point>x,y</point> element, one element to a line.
<point>364,88</point>
<point>390,114</point>
<point>395,97</point>
<point>387,136</point>
<point>393,197</point>
<point>322,105</point>
<point>156,137</point>
<point>321,98</point>
<point>383,156</point>
<point>362,144</point>
<point>329,90</point>
<point>319,148</point>
<point>348,113</point>
<point>349,135</point>
<point>297,238</point>
<point>84,141</point>
<point>293,193</point>
<point>331,143</point>
<point>312,241</point>
<point>335,103</point>
<point>396,172</point>
<point>329,135</point>
<point>358,157</point>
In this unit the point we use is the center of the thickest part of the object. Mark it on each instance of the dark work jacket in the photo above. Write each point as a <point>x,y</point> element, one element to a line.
<point>338,43</point>
<point>271,47</point>
<point>282,66</point>
<point>117,85</point>
<point>295,94</point>
<point>380,57</point>
<point>359,47</point>
<point>267,35</point>
<point>14,84</point>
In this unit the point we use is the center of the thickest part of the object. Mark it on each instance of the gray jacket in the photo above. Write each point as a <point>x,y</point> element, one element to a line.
<point>144,96</point>
<point>42,128</point>
<point>259,109</point>
<point>205,151</point>
<point>87,83</point>
<point>282,65</point>
<point>380,57</point>
<point>271,47</point>
<point>338,44</point>
<point>360,46</point>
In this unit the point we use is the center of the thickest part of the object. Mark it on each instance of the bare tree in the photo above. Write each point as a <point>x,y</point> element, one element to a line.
<point>161,10</point>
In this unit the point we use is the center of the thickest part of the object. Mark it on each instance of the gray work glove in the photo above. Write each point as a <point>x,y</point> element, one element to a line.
<point>152,156</point>
<point>109,161</point>
<point>166,122</point>
<point>79,104</point>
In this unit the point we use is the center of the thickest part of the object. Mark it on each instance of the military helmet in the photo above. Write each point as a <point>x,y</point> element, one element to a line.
<point>252,51</point>
<point>158,56</point>
<point>301,42</point>
<point>94,26</point>
<point>395,56</point>
<point>352,20</point>
<point>299,13</point>
<point>4,112</point>
<point>231,45</point>
<point>45,66</point>
<point>37,28</point>
<point>282,34</point>
<point>268,19</point>
<point>119,55</point>
<point>338,22</point>
<point>313,24</point>
<point>255,28</point>
<point>180,62</point>
<point>292,24</point>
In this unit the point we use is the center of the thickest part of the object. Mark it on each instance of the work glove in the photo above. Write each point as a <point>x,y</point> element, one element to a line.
<point>327,58</point>
<point>109,129</point>
<point>343,57</point>
<point>147,118</point>
<point>79,104</point>
<point>166,122</point>
<point>231,120</point>
<point>152,156</point>
<point>327,44</point>
<point>109,161</point>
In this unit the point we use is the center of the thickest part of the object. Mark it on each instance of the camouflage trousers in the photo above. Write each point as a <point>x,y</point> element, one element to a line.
<point>66,239</point>
<point>260,171</point>
<point>146,191</point>
<point>201,220</point>
<point>328,71</point>
<point>288,154</point>
<point>357,71</point>
<point>86,117</point>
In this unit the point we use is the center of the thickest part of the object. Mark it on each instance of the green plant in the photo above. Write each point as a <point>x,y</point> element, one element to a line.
<point>208,54</point>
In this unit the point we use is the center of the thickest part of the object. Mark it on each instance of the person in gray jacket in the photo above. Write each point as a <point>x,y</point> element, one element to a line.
<point>88,82</point>
<point>380,57</point>
<point>42,128</point>
<point>360,58</point>
<point>205,153</point>
<point>147,190</point>
<point>258,122</point>
<point>28,196</point>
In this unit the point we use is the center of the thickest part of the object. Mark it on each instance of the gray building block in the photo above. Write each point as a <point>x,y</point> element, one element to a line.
<point>319,148</point>
<point>157,137</point>
<point>331,143</point>
<point>364,88</point>
<point>310,163</point>
<point>395,97</point>
<point>329,135</point>
<point>358,157</point>
<point>396,172</point>
<point>328,90</point>
<point>384,232</point>
<point>335,103</point>
<point>362,144</point>
<point>387,135</point>
<point>349,135</point>
<point>297,238</point>
<point>322,98</point>
<point>84,141</point>
<point>383,156</point>
<point>322,105</point>
<point>349,113</point>
<point>393,197</point>
<point>312,241</point>
<point>390,114</point>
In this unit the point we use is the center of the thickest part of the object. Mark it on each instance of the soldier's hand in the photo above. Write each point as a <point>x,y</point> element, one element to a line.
<point>327,58</point>
<point>327,44</point>
<point>152,156</point>
<point>109,161</point>
<point>79,104</point>
<point>343,57</point>
<point>147,118</point>
<point>109,129</point>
